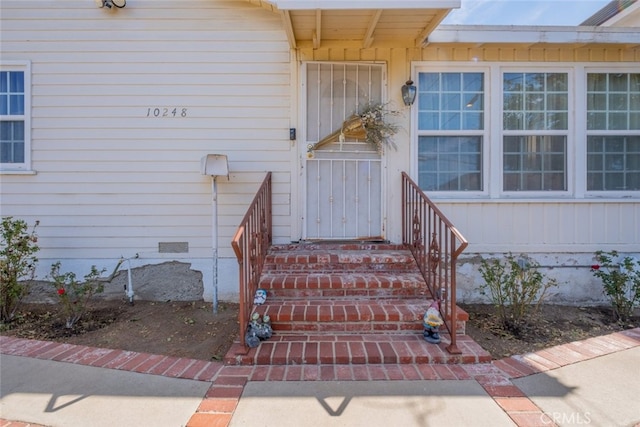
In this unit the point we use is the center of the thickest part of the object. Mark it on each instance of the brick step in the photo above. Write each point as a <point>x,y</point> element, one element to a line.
<point>351,349</point>
<point>328,260</point>
<point>349,315</point>
<point>336,246</point>
<point>364,284</point>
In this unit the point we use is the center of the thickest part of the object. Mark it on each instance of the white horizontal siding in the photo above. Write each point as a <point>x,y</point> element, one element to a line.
<point>111,181</point>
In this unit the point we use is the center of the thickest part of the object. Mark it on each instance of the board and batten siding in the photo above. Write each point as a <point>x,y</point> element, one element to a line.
<point>115,175</point>
<point>561,234</point>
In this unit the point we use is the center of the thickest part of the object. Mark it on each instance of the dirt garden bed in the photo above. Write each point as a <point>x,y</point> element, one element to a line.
<point>191,329</point>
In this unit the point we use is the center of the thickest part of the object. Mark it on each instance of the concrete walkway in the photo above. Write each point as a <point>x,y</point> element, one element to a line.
<point>592,382</point>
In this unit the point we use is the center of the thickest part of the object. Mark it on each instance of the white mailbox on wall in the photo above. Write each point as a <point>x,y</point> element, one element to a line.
<point>214,165</point>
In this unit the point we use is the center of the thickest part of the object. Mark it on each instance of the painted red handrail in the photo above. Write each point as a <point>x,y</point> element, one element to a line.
<point>250,244</point>
<point>435,244</point>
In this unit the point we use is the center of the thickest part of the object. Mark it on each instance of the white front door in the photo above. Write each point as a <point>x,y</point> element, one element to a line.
<point>344,179</point>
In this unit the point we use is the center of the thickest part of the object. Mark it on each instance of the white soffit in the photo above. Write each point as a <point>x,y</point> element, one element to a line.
<point>365,4</point>
<point>359,23</point>
<point>479,35</point>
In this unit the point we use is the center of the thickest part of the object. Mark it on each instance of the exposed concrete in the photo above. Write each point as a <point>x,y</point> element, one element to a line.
<point>576,283</point>
<point>169,281</point>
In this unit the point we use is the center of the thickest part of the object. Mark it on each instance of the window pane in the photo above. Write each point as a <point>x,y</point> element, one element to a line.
<point>558,102</point>
<point>451,102</point>
<point>428,121</point>
<point>597,101</point>
<point>534,102</point>
<point>613,101</point>
<point>473,82</point>
<point>543,101</point>
<point>429,82</point>
<point>12,103</point>
<point>4,81</point>
<point>634,82</point>
<point>429,101</point>
<point>513,121</point>
<point>534,82</point>
<point>451,82</point>
<point>16,82</point>
<point>512,101</point>
<point>534,163</point>
<point>534,121</point>
<point>473,101</point>
<point>472,121</point>
<point>12,142</point>
<point>613,163</point>
<point>618,102</point>
<point>597,82</point>
<point>450,163</point>
<point>618,82</point>
<point>450,121</point>
<point>451,96</point>
<point>557,82</point>
<point>16,105</point>
<point>617,121</point>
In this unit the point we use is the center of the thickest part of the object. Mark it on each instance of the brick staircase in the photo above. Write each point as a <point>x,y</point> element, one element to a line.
<point>352,303</point>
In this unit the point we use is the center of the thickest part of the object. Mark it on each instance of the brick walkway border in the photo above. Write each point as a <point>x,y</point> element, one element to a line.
<point>227,382</point>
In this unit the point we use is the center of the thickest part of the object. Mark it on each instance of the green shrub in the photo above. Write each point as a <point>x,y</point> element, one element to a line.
<point>73,295</point>
<point>516,289</point>
<point>17,264</point>
<point>621,282</point>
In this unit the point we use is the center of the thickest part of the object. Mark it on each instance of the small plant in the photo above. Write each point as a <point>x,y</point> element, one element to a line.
<point>73,295</point>
<point>621,281</point>
<point>516,289</point>
<point>17,263</point>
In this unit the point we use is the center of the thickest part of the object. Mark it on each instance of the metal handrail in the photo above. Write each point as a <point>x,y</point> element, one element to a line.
<point>435,244</point>
<point>250,244</point>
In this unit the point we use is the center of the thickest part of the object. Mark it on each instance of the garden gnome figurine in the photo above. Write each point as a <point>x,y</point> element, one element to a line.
<point>266,331</point>
<point>260,297</point>
<point>431,322</point>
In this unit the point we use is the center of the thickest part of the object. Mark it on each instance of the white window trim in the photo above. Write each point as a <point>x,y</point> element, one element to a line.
<point>492,155</point>
<point>570,161</point>
<point>21,168</point>
<point>587,69</point>
<point>486,132</point>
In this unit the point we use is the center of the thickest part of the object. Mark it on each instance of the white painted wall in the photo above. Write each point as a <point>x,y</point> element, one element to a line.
<point>113,182</point>
<point>112,179</point>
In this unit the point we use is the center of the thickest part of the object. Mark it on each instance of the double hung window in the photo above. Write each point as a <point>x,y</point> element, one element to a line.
<point>14,117</point>
<point>613,131</point>
<point>535,119</point>
<point>451,131</point>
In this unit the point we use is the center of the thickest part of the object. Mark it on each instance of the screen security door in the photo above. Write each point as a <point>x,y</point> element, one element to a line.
<point>344,179</point>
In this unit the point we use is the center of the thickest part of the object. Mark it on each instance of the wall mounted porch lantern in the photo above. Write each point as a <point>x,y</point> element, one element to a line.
<point>408,93</point>
<point>110,3</point>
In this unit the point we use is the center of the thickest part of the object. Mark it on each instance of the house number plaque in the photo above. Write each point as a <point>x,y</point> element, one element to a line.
<point>166,112</point>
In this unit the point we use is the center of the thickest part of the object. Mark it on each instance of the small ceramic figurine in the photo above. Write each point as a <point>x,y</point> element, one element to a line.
<point>260,297</point>
<point>258,329</point>
<point>432,322</point>
<point>266,330</point>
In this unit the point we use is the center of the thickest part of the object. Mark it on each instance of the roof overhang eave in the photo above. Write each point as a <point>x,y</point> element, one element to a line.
<point>530,35</point>
<point>359,4</point>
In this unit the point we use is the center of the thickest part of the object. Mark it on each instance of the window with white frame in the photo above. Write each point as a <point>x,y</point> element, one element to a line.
<point>535,120</point>
<point>613,131</point>
<point>450,131</point>
<point>14,116</point>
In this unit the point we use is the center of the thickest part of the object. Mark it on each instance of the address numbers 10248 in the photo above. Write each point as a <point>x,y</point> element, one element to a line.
<point>166,112</point>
